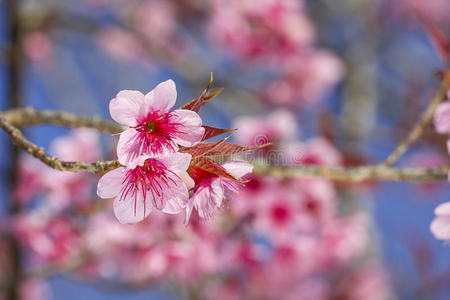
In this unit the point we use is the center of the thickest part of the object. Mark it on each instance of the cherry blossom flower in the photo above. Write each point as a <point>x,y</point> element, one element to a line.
<point>258,29</point>
<point>154,183</point>
<point>210,189</point>
<point>440,226</point>
<point>154,130</point>
<point>120,44</point>
<point>37,46</point>
<point>442,117</point>
<point>278,126</point>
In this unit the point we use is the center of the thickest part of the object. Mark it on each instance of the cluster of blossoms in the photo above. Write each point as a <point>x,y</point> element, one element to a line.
<point>278,239</point>
<point>274,37</point>
<point>440,227</point>
<point>157,173</point>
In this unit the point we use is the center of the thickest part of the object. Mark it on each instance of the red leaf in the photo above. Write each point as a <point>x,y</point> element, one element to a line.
<point>211,132</point>
<point>438,38</point>
<point>230,148</point>
<point>204,148</point>
<point>197,103</point>
<point>202,165</point>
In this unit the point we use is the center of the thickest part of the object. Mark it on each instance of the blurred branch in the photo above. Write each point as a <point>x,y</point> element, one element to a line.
<point>423,122</point>
<point>38,152</point>
<point>29,116</point>
<point>358,174</point>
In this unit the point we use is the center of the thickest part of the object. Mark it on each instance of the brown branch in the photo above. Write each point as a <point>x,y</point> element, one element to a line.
<point>30,116</point>
<point>358,174</point>
<point>425,119</point>
<point>38,152</point>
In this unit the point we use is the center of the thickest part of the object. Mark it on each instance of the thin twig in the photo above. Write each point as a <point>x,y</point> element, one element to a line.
<point>358,174</point>
<point>423,122</point>
<point>28,116</point>
<point>355,174</point>
<point>53,162</point>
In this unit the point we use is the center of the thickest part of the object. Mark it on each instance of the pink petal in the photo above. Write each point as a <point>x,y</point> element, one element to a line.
<point>176,162</point>
<point>209,198</point>
<point>162,97</point>
<point>128,148</point>
<point>238,168</point>
<point>174,192</point>
<point>127,107</point>
<point>188,181</point>
<point>189,207</point>
<point>443,209</point>
<point>440,228</point>
<point>126,212</point>
<point>110,184</point>
<point>442,118</point>
<point>176,200</point>
<point>192,127</point>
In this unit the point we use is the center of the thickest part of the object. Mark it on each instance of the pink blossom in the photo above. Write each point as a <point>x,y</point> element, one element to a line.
<point>304,78</point>
<point>50,239</point>
<point>278,126</point>
<point>155,19</point>
<point>68,188</point>
<point>37,46</point>
<point>30,179</point>
<point>210,189</point>
<point>260,28</point>
<point>120,44</point>
<point>370,282</point>
<point>442,117</point>
<point>440,226</point>
<point>154,130</point>
<point>315,151</point>
<point>154,183</point>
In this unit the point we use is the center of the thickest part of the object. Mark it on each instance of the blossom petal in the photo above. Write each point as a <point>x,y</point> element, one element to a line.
<point>209,198</point>
<point>176,162</point>
<point>131,210</point>
<point>443,209</point>
<point>238,168</point>
<point>129,149</point>
<point>442,118</point>
<point>189,207</point>
<point>176,202</point>
<point>440,228</point>
<point>162,97</point>
<point>192,130</point>
<point>110,184</point>
<point>173,190</point>
<point>126,107</point>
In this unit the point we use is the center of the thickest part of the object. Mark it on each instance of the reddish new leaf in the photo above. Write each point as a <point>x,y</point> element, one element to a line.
<point>204,167</point>
<point>197,103</point>
<point>230,149</point>
<point>204,148</point>
<point>211,132</point>
<point>439,39</point>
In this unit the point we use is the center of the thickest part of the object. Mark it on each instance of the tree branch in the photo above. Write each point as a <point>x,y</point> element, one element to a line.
<point>358,174</point>
<point>53,162</point>
<point>29,116</point>
<point>418,129</point>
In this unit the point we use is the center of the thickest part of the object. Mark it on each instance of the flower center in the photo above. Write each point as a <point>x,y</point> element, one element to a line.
<point>153,177</point>
<point>150,126</point>
<point>157,132</point>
